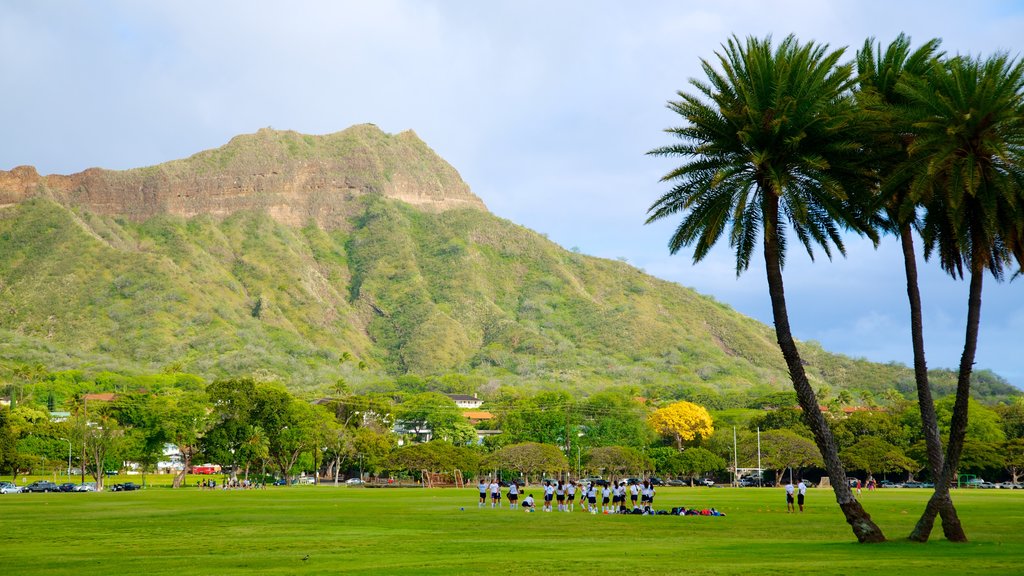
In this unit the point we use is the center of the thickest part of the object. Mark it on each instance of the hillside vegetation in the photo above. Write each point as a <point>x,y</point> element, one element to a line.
<point>383,289</point>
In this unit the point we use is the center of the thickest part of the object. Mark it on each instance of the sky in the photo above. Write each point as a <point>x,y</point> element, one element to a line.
<point>547,109</point>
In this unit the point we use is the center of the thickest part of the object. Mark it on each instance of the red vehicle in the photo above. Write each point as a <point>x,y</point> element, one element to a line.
<point>206,469</point>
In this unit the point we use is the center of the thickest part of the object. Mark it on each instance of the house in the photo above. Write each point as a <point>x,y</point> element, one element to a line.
<point>465,401</point>
<point>477,416</point>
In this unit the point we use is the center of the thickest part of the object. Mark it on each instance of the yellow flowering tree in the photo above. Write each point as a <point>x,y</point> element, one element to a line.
<point>683,420</point>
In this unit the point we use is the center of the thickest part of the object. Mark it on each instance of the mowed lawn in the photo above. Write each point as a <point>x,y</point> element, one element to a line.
<point>330,530</point>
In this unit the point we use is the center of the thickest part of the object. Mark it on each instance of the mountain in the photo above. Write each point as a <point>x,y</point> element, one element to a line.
<point>360,255</point>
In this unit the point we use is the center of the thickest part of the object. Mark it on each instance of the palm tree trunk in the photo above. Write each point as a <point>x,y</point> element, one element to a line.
<point>929,423</point>
<point>958,425</point>
<point>859,520</point>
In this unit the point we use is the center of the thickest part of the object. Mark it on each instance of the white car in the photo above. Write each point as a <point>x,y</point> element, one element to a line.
<point>354,481</point>
<point>9,488</point>
<point>86,487</point>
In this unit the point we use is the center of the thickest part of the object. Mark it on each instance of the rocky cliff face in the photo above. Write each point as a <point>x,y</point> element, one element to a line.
<point>296,178</point>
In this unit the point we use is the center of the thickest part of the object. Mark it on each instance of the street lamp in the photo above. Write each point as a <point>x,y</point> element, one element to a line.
<point>69,457</point>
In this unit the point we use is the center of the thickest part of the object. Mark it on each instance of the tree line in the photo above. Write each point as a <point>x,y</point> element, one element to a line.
<point>260,430</point>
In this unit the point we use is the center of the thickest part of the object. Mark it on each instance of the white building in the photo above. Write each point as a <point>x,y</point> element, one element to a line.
<point>465,401</point>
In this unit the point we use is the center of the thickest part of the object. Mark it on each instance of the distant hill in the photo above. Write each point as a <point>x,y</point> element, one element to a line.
<point>357,255</point>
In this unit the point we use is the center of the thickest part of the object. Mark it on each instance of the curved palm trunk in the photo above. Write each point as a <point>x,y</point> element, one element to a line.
<point>859,520</point>
<point>958,425</point>
<point>929,422</point>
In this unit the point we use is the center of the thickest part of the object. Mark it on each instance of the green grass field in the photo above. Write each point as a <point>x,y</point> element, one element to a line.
<point>329,530</point>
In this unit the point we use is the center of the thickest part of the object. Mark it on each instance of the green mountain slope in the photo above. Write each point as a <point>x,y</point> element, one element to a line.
<point>383,287</point>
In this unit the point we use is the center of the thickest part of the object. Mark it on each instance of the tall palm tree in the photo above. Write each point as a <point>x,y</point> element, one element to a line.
<point>879,74</point>
<point>968,147</point>
<point>770,141</point>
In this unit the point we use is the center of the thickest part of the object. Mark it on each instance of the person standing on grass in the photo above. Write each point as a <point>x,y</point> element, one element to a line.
<point>495,493</point>
<point>513,495</point>
<point>801,489</point>
<point>606,493</point>
<point>571,493</point>
<point>790,489</point>
<point>619,500</point>
<point>482,486</point>
<point>634,492</point>
<point>592,498</point>
<point>560,496</point>
<point>549,494</point>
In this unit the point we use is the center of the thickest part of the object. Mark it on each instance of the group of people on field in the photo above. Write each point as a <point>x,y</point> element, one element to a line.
<point>595,497</point>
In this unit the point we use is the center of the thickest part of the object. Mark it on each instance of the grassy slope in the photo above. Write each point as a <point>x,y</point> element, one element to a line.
<point>345,530</point>
<point>398,289</point>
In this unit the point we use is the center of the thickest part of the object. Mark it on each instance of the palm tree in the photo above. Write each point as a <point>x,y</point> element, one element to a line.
<point>771,141</point>
<point>879,74</point>
<point>968,147</point>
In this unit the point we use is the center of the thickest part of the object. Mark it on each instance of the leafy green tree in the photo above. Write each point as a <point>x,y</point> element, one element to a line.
<point>8,442</point>
<point>434,456</point>
<point>103,438</point>
<point>773,142</point>
<point>439,414</point>
<point>528,458</point>
<point>1013,452</point>
<point>984,424</point>
<point>1012,418</point>
<point>982,457</point>
<point>881,424</point>
<point>781,419</point>
<point>616,460</point>
<point>372,446</point>
<point>614,418</point>
<point>140,417</point>
<point>288,424</point>
<point>547,418</point>
<point>968,122</point>
<point>184,418</point>
<point>694,462</point>
<point>872,454</point>
<point>781,449</point>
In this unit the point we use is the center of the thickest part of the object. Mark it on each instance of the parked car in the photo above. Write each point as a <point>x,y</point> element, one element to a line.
<point>988,485</point>
<point>677,482</point>
<point>67,487</point>
<point>42,486</point>
<point>749,482</point>
<point>86,487</point>
<point>655,481</point>
<point>889,484</point>
<point>354,481</point>
<point>280,482</point>
<point>9,488</point>
<point>304,480</point>
<point>913,484</point>
<point>125,487</point>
